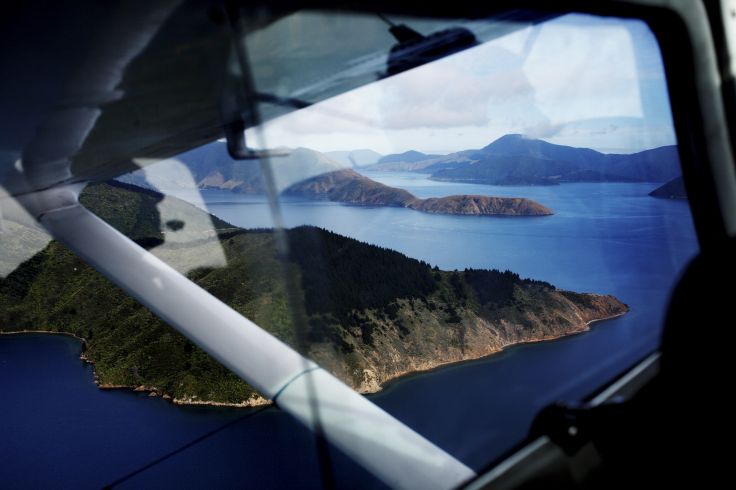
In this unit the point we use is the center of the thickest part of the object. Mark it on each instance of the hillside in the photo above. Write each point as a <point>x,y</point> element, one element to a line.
<point>212,168</point>
<point>516,160</point>
<point>310,174</point>
<point>366,313</point>
<point>410,156</point>
<point>348,186</point>
<point>507,170</point>
<point>435,162</point>
<point>655,165</point>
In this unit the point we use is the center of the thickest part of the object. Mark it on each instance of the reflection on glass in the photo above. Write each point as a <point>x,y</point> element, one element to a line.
<point>20,236</point>
<point>518,192</point>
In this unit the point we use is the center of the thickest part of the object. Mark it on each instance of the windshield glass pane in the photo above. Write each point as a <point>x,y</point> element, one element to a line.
<point>464,243</point>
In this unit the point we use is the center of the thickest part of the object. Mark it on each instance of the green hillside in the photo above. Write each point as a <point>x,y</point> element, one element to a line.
<point>365,313</point>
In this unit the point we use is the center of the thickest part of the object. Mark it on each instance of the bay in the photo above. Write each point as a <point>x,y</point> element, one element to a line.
<point>59,429</point>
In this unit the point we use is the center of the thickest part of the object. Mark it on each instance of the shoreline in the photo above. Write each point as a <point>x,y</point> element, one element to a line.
<point>49,332</point>
<point>252,402</point>
<point>260,401</point>
<point>407,375</point>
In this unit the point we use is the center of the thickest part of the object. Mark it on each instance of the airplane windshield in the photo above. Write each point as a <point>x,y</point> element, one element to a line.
<point>463,240</point>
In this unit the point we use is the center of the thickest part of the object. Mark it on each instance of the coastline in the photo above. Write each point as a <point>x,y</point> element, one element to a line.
<point>252,402</point>
<point>418,372</point>
<point>259,401</point>
<point>49,332</point>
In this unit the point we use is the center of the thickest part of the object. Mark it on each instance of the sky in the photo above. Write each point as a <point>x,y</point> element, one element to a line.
<point>576,80</point>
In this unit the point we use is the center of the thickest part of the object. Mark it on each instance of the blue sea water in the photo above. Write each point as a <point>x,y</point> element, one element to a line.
<point>57,429</point>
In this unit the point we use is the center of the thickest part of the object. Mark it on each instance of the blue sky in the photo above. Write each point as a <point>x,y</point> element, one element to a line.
<point>577,80</point>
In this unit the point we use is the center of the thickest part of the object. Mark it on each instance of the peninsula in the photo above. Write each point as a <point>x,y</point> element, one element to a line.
<point>348,186</point>
<point>674,189</point>
<point>365,313</point>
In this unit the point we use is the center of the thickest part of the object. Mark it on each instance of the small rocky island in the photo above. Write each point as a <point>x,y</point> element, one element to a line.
<point>350,187</point>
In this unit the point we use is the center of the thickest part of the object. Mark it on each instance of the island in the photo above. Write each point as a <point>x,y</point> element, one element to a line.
<point>365,313</point>
<point>348,186</point>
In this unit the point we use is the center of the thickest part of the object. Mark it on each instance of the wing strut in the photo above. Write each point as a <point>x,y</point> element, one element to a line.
<point>387,448</point>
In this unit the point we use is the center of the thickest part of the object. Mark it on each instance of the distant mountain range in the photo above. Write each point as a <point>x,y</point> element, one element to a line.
<point>517,160</point>
<point>213,168</point>
<point>313,175</point>
<point>510,160</point>
<point>407,157</point>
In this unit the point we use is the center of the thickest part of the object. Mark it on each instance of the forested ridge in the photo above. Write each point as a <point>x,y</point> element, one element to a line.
<point>370,314</point>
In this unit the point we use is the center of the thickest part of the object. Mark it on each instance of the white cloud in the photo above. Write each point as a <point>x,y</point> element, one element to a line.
<point>538,81</point>
<point>449,95</point>
<point>543,130</point>
<point>584,72</point>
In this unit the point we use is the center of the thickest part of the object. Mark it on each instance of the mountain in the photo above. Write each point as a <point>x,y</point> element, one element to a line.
<point>407,157</point>
<point>410,161</point>
<point>518,145</point>
<point>212,167</point>
<point>348,186</point>
<point>365,313</point>
<point>481,206</point>
<point>312,175</point>
<point>516,160</point>
<point>506,170</point>
<point>436,162</point>
<point>655,165</point>
<point>674,189</point>
<point>354,158</point>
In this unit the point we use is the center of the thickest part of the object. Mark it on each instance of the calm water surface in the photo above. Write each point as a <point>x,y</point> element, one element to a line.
<point>605,238</point>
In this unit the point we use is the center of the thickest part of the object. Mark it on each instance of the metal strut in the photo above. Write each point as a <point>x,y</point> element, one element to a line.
<point>393,452</point>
